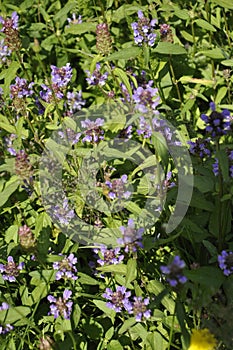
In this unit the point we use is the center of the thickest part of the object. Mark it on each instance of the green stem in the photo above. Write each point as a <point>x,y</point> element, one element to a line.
<point>175,81</point>
<point>73,340</point>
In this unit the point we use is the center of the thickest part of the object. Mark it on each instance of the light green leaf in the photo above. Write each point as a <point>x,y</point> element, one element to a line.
<point>131,271</point>
<point>224,3</point>
<point>166,48</point>
<point>81,28</point>
<point>214,53</point>
<point>124,54</point>
<point>205,25</point>
<point>11,187</point>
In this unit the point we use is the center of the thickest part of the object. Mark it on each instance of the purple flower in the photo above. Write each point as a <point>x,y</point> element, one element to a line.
<point>139,308</point>
<point>69,135</point>
<point>215,167</point>
<point>74,19</point>
<point>4,51</point>
<point>4,306</point>
<point>74,101</point>
<point>61,76</point>
<point>146,98</point>
<point>61,306</point>
<point>225,261</point>
<point>48,95</point>
<point>217,123</point>
<point>117,188</point>
<point>21,88</point>
<point>97,78</point>
<point>108,256</point>
<point>143,30</point>
<point>9,23</point>
<point>200,147</point>
<point>5,328</point>
<point>10,270</point>
<point>66,267</point>
<point>144,128</point>
<point>62,212</point>
<point>174,272</point>
<point>9,144</point>
<point>93,132</point>
<point>131,237</point>
<point>118,299</point>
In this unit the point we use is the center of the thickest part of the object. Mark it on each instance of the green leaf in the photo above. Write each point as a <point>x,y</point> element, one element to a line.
<point>203,184</point>
<point>120,268</point>
<point>131,271</point>
<point>10,188</point>
<point>102,307</point>
<point>228,63</point>
<point>61,15</point>
<point>199,202</point>
<point>81,28</point>
<point>167,48</point>
<point>127,325</point>
<point>115,345</point>
<point>123,78</point>
<point>224,3</point>
<point>14,314</point>
<point>214,53</point>
<point>85,279</point>
<point>158,289</point>
<point>156,341</point>
<point>205,25</point>
<point>208,276</point>
<point>76,314</point>
<point>223,164</point>
<point>12,234</point>
<point>124,54</point>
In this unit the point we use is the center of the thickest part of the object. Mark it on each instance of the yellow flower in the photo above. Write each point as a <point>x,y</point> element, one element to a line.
<point>202,339</point>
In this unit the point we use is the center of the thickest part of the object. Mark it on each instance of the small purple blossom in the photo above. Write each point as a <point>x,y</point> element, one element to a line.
<point>74,19</point>
<point>10,270</point>
<point>66,267</point>
<point>117,188</point>
<point>62,212</point>
<point>108,256</point>
<point>174,272</point>
<point>5,328</point>
<point>146,98</point>
<point>217,123</point>
<point>74,102</point>
<point>119,299</point>
<point>94,131</point>
<point>97,78</point>
<point>61,76</point>
<point>21,88</point>
<point>9,144</point>
<point>145,128</point>
<point>48,94</point>
<point>61,306</point>
<point>225,261</point>
<point>132,237</point>
<point>200,147</point>
<point>143,30</point>
<point>139,308</point>
<point>4,51</point>
<point>11,23</point>
<point>69,135</point>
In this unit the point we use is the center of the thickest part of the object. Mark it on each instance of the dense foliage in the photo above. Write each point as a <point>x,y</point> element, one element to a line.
<point>116,165</point>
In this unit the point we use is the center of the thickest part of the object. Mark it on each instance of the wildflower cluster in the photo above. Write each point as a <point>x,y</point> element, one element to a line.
<point>131,237</point>
<point>174,272</point>
<point>66,267</point>
<point>119,301</point>
<point>11,270</point>
<point>7,327</point>
<point>61,306</point>
<point>143,30</point>
<point>225,261</point>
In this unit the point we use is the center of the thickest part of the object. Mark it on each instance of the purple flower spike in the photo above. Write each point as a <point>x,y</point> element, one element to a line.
<point>61,76</point>
<point>225,261</point>
<point>66,268</point>
<point>97,78</point>
<point>62,212</point>
<point>11,270</point>
<point>143,30</point>
<point>139,309</point>
<point>217,123</point>
<point>117,188</point>
<point>131,237</point>
<point>94,131</point>
<point>61,306</point>
<point>118,299</point>
<point>21,88</point>
<point>108,256</point>
<point>146,98</point>
<point>174,272</point>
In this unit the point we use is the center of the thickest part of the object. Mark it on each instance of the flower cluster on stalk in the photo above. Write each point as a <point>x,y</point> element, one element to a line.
<point>117,188</point>
<point>62,212</point>
<point>174,272</point>
<point>11,270</point>
<point>96,78</point>
<point>131,237</point>
<point>143,30</point>
<point>217,123</point>
<point>215,165</point>
<point>225,261</point>
<point>10,30</point>
<point>61,306</point>
<point>108,256</point>
<point>119,300</point>
<point>94,132</point>
<point>66,267</point>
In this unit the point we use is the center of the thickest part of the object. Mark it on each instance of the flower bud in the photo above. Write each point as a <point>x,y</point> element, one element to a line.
<point>103,39</point>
